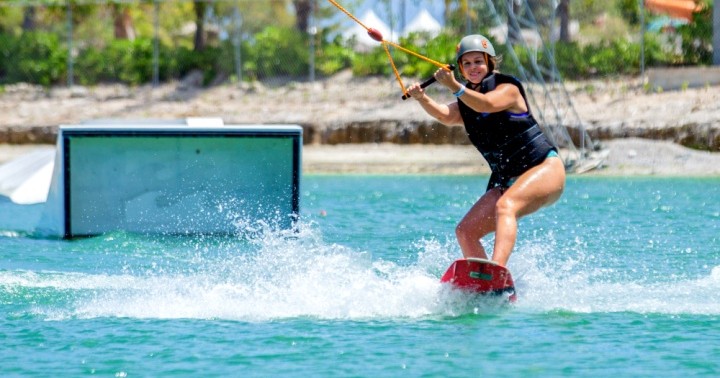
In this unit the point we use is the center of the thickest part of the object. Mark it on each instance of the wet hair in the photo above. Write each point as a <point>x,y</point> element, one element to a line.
<point>492,62</point>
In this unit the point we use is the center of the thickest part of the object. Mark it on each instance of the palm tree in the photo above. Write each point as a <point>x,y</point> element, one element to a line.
<point>200,40</point>
<point>563,11</point>
<point>123,22</point>
<point>303,11</point>
<point>461,10</point>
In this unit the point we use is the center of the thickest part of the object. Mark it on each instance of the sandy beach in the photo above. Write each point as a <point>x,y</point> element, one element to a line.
<point>626,157</point>
<point>638,130</point>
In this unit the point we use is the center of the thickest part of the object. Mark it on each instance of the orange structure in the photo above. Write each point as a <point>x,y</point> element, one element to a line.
<point>683,9</point>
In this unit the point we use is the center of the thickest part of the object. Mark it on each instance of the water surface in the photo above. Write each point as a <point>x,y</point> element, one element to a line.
<point>621,276</point>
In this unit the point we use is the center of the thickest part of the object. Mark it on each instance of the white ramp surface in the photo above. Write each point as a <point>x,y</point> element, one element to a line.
<point>26,179</point>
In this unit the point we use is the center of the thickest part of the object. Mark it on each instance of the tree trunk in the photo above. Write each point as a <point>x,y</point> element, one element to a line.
<point>29,22</point>
<point>123,22</point>
<point>303,11</point>
<point>446,13</point>
<point>564,14</point>
<point>200,38</point>
<point>716,33</point>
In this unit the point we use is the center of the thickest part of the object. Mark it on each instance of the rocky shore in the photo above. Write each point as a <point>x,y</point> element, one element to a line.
<point>346,111</point>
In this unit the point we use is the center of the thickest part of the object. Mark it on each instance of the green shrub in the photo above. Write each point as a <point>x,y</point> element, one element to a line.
<point>41,57</point>
<point>7,47</point>
<point>697,37</point>
<point>212,62</point>
<point>33,57</point>
<point>124,61</point>
<point>277,51</point>
<point>441,49</point>
<point>374,62</point>
<point>137,62</point>
<point>630,10</point>
<point>333,57</point>
<point>570,60</point>
<point>94,67</point>
<point>656,54</point>
<point>613,58</point>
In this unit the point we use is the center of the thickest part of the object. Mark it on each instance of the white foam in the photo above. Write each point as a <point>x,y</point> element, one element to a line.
<point>304,277</point>
<point>580,285</point>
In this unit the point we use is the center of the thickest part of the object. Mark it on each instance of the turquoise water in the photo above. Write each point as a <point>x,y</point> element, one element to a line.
<point>620,277</point>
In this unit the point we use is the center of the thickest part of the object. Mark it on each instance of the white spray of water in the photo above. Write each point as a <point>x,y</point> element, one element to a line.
<point>585,285</point>
<point>301,276</point>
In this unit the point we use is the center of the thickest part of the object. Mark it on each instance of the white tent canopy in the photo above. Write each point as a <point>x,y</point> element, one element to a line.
<point>423,22</point>
<point>363,40</point>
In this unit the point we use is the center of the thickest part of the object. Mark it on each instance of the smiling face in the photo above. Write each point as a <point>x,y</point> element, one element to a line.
<point>473,66</point>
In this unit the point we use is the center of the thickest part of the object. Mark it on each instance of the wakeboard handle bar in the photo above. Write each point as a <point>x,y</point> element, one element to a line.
<point>429,81</point>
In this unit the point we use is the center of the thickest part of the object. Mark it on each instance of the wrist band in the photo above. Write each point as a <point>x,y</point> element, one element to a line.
<point>460,92</point>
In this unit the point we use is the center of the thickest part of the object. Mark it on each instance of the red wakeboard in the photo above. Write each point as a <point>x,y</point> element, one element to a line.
<point>480,276</point>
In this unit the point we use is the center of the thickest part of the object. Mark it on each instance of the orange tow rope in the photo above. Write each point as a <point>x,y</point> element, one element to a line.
<point>376,35</point>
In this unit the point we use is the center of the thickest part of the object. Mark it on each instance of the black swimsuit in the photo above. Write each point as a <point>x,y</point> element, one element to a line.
<point>511,143</point>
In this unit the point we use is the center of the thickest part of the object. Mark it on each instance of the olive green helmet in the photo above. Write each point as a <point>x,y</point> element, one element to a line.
<point>474,42</point>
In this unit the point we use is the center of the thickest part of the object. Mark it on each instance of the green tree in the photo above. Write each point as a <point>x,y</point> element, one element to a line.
<point>629,10</point>
<point>588,10</point>
<point>457,12</point>
<point>697,37</point>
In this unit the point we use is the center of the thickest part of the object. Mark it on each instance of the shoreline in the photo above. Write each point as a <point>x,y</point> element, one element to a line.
<point>360,126</point>
<point>626,157</point>
<point>343,109</point>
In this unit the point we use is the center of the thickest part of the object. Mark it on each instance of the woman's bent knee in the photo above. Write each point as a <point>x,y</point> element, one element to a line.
<point>462,231</point>
<point>505,206</point>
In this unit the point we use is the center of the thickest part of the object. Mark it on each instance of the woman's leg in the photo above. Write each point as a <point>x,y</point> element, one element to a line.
<point>479,221</point>
<point>542,185</point>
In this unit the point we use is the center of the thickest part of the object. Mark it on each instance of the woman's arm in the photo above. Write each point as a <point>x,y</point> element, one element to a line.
<point>503,97</point>
<point>447,114</point>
